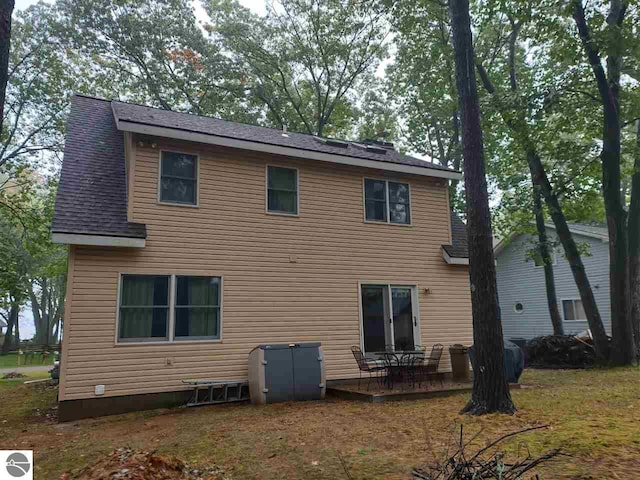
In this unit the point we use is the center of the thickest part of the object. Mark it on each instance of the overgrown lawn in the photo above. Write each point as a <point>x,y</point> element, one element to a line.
<point>594,416</point>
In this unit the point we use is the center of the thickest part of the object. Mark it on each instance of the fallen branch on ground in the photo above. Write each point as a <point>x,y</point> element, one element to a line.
<point>464,466</point>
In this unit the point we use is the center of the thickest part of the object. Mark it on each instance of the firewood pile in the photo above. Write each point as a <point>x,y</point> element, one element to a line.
<point>560,351</point>
<point>485,463</point>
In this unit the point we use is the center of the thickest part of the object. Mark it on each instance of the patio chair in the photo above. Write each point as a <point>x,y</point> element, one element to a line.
<point>429,367</point>
<point>415,363</point>
<point>372,367</point>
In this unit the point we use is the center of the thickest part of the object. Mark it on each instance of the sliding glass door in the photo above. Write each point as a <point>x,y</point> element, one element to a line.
<point>375,317</point>
<point>403,318</point>
<point>389,317</point>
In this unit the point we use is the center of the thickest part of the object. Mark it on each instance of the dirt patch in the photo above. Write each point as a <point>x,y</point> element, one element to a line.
<point>128,464</point>
<point>13,376</point>
<point>49,385</point>
<point>44,415</point>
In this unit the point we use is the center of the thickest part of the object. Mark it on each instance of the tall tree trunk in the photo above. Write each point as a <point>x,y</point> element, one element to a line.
<point>6,9</point>
<point>541,182</point>
<point>9,338</point>
<point>540,179</point>
<point>490,389</point>
<point>634,245</point>
<point>622,351</point>
<point>545,254</point>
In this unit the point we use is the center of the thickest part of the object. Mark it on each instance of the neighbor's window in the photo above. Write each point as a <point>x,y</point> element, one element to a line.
<point>387,201</point>
<point>144,307</point>
<point>178,178</point>
<point>282,190</point>
<point>197,309</point>
<point>573,310</point>
<point>537,258</point>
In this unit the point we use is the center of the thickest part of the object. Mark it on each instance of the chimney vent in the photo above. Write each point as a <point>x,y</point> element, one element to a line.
<point>378,143</point>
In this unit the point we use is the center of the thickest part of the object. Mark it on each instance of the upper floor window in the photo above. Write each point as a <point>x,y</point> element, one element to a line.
<point>387,201</point>
<point>573,310</point>
<point>282,190</point>
<point>147,311</point>
<point>178,178</point>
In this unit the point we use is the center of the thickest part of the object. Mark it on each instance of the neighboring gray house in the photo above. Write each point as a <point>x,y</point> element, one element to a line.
<point>521,285</point>
<point>3,325</point>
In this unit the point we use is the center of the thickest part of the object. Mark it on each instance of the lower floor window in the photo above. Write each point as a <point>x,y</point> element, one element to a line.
<point>573,310</point>
<point>197,307</point>
<point>169,307</point>
<point>144,307</point>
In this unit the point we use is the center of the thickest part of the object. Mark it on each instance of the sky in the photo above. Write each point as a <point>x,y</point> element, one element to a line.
<point>256,5</point>
<point>26,318</point>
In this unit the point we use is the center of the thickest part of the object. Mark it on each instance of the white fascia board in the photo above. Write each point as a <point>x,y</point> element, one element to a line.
<point>503,243</point>
<point>454,260</point>
<point>604,238</point>
<point>97,240</point>
<point>155,131</point>
<point>507,240</point>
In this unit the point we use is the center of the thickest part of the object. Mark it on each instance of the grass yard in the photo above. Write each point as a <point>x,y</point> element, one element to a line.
<point>15,360</point>
<point>594,416</point>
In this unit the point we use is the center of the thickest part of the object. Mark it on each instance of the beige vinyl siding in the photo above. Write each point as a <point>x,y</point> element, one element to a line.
<point>267,297</point>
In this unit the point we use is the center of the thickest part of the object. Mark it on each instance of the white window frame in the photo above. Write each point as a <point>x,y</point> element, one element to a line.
<point>415,303</point>
<point>197,189</point>
<point>266,190</point>
<point>143,340</point>
<point>555,259</point>
<point>386,187</point>
<point>564,319</point>
<point>172,303</point>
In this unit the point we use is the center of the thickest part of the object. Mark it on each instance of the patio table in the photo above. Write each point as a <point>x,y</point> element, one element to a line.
<point>400,363</point>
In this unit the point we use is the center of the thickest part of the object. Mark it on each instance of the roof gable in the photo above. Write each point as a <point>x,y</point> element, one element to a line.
<point>92,194</point>
<point>589,231</point>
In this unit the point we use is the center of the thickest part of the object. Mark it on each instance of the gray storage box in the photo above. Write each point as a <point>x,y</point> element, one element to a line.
<point>286,371</point>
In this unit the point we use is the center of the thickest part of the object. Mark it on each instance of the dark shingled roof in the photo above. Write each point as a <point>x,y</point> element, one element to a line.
<point>240,131</point>
<point>459,247</point>
<point>92,194</point>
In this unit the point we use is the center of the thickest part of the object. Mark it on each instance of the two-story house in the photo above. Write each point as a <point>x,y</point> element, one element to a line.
<point>193,239</point>
<point>522,288</point>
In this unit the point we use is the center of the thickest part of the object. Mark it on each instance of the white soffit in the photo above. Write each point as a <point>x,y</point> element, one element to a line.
<point>97,240</point>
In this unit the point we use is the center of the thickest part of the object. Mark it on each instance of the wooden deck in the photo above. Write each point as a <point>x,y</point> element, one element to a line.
<point>348,390</point>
